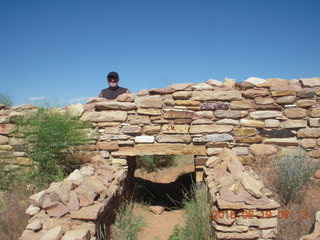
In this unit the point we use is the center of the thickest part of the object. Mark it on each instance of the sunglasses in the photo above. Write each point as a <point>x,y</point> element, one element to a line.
<point>113,80</point>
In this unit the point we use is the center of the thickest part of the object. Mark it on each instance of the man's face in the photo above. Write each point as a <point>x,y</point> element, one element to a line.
<point>113,81</point>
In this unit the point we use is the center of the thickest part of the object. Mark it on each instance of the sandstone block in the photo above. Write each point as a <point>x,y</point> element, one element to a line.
<point>282,141</point>
<point>244,85</point>
<point>88,213</point>
<point>214,106</point>
<point>227,121</point>
<point>4,140</point>
<point>263,149</point>
<point>80,234</point>
<point>294,124</point>
<point>272,82</point>
<point>201,87</point>
<point>57,210</point>
<point>309,133</point>
<point>251,234</point>
<point>173,138</point>
<point>214,138</point>
<point>168,128</point>
<point>6,129</point>
<point>314,122</point>
<point>265,114</point>
<point>116,106</point>
<point>194,129</point>
<point>126,97</point>
<point>229,82</point>
<point>251,185</point>
<point>213,151</point>
<point>171,114</point>
<point>283,93</point>
<point>53,234</point>
<point>230,114</point>
<point>240,150</point>
<point>38,198</point>
<point>265,223</point>
<point>308,143</point>
<point>187,103</point>
<point>76,177</point>
<point>112,130</point>
<point>180,86</point>
<point>216,95</point>
<point>285,100</point>
<point>182,95</point>
<point>245,131</point>
<point>151,129</point>
<point>275,133</point>
<point>264,100</point>
<point>243,104</point>
<point>306,94</point>
<point>131,129</point>
<point>144,139</point>
<point>306,102</point>
<point>32,210</point>
<point>255,80</point>
<point>35,226</point>
<point>204,114</point>
<point>253,93</point>
<point>214,82</point>
<point>252,123</point>
<point>149,102</point>
<point>249,139</point>
<point>295,112</point>
<point>149,111</point>
<point>132,119</point>
<point>104,116</point>
<point>310,82</point>
<point>272,123</point>
<point>73,204</point>
<point>314,112</point>
<point>178,121</point>
<point>110,146</point>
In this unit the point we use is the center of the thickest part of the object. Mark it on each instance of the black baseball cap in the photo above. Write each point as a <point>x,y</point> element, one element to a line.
<point>113,74</point>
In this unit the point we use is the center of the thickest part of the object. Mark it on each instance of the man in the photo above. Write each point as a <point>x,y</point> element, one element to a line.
<point>113,91</point>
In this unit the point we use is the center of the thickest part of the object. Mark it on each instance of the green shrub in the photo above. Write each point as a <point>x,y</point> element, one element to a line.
<point>52,137</point>
<point>5,99</point>
<point>198,218</point>
<point>153,163</point>
<point>127,225</point>
<point>293,169</point>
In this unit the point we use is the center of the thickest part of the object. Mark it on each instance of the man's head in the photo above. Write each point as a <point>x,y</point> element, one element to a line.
<point>113,79</point>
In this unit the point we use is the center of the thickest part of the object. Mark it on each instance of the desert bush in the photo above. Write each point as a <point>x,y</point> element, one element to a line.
<point>198,218</point>
<point>52,137</point>
<point>153,163</point>
<point>5,99</point>
<point>127,225</point>
<point>293,169</point>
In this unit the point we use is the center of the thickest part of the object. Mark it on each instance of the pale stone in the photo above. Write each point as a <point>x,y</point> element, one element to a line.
<point>251,185</point>
<point>271,82</point>
<point>230,114</point>
<point>4,140</point>
<point>237,229</point>
<point>295,112</point>
<point>272,123</point>
<point>282,141</point>
<point>32,210</point>
<point>119,161</point>
<point>5,148</point>
<point>180,86</point>
<point>201,86</point>
<point>104,116</point>
<point>216,95</point>
<point>194,129</point>
<point>203,121</point>
<point>168,128</point>
<point>309,133</point>
<point>253,93</point>
<point>214,138</point>
<point>214,82</point>
<point>76,177</point>
<point>204,114</point>
<point>308,143</point>
<point>314,122</point>
<point>187,103</point>
<point>53,234</point>
<point>244,85</point>
<point>255,80</point>
<point>314,112</point>
<point>172,114</point>
<point>149,102</point>
<point>144,139</point>
<point>269,233</point>
<point>213,151</point>
<point>161,91</point>
<point>227,122</point>
<point>263,149</point>
<point>294,124</point>
<point>306,102</point>
<point>142,92</point>
<point>75,109</point>
<point>4,119</point>
<point>173,138</point>
<point>252,123</point>
<point>240,150</point>
<point>73,204</point>
<point>245,131</point>
<point>35,226</point>
<point>229,82</point>
<point>265,223</point>
<point>116,106</point>
<point>57,210</point>
<point>126,97</point>
<point>243,104</point>
<point>80,234</point>
<point>251,234</point>
<point>211,161</point>
<point>182,95</point>
<point>310,82</point>
<point>265,114</point>
<point>7,128</point>
<point>131,129</point>
<point>38,198</point>
<point>282,93</point>
<point>138,119</point>
<point>88,213</point>
<point>286,100</point>
<point>151,129</point>
<point>161,149</point>
<point>149,111</point>
<point>263,100</point>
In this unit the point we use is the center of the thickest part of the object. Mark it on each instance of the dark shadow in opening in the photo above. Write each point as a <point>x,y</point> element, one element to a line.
<point>168,195</point>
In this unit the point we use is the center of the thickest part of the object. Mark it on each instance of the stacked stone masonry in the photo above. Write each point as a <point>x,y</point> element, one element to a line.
<point>255,119</point>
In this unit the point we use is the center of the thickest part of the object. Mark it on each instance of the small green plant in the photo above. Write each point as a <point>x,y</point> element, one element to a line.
<point>293,170</point>
<point>5,99</point>
<point>177,233</point>
<point>52,137</point>
<point>153,163</point>
<point>127,225</point>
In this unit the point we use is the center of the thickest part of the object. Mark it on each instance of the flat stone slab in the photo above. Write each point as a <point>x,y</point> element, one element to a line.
<point>161,149</point>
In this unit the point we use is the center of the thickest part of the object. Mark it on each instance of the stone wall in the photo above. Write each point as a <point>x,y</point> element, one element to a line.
<point>255,119</point>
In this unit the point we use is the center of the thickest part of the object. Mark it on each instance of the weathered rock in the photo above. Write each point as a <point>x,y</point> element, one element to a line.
<point>144,139</point>
<point>314,122</point>
<point>32,210</point>
<point>178,121</point>
<point>7,128</point>
<point>76,177</point>
<point>283,93</point>
<point>255,80</point>
<point>187,103</point>
<point>305,94</point>
<point>251,234</point>
<point>251,185</point>
<point>161,91</point>
<point>272,82</point>
<point>149,102</point>
<point>171,114</point>
<point>132,119</point>
<point>151,129</point>
<point>306,103</point>
<point>268,107</point>
<point>243,104</point>
<point>245,131</point>
<point>57,210</point>
<point>314,112</point>
<point>53,234</point>
<point>230,114</point>
<point>253,93</point>
<point>244,85</point>
<point>229,82</point>
<point>282,141</point>
<point>295,112</point>
<point>240,150</point>
<point>227,122</point>
<point>110,146</point>
<point>104,116</point>
<point>264,100</point>
<point>204,114</point>
<point>180,86</point>
<point>81,234</point>
<point>35,226</point>
<point>88,213</point>
<point>294,124</point>
<point>149,111</point>
<point>265,223</point>
<point>201,87</point>
<point>126,97</point>
<point>214,106</point>
<point>275,133</point>
<point>249,139</point>
<point>112,130</point>
<point>194,129</point>
<point>310,82</point>
<point>308,143</point>
<point>173,138</point>
<point>263,149</point>
<point>309,133</point>
<point>252,123</point>
<point>182,95</point>
<point>202,122</point>
<point>38,198</point>
<point>265,114</point>
<point>285,100</point>
<point>142,92</point>
<point>131,130</point>
<point>216,95</point>
<point>214,138</point>
<point>272,123</point>
<point>115,106</point>
<point>213,151</point>
<point>168,128</point>
<point>214,82</point>
<point>119,161</point>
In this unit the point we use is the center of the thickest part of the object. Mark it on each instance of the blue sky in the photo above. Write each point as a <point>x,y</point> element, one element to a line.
<point>63,49</point>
